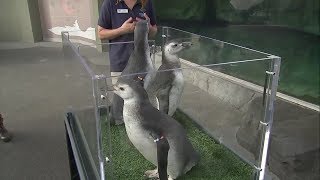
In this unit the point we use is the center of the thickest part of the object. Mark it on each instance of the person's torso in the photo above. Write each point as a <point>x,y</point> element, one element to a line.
<point>120,53</point>
<point>120,12</point>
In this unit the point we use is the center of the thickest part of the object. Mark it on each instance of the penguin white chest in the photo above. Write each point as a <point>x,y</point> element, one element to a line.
<point>138,135</point>
<point>175,92</point>
<point>178,79</point>
<point>177,85</point>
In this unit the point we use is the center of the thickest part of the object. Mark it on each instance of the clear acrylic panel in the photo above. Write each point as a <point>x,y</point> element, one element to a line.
<point>206,51</point>
<point>92,62</point>
<point>82,111</point>
<point>226,104</point>
<point>96,57</point>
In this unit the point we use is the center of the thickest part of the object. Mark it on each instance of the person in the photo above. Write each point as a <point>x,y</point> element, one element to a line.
<point>116,23</point>
<point>4,134</point>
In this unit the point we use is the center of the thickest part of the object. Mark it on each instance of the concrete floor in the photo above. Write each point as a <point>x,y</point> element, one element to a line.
<point>33,108</point>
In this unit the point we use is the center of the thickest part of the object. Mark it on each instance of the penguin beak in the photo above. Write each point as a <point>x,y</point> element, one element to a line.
<point>110,88</point>
<point>186,44</point>
<point>115,88</point>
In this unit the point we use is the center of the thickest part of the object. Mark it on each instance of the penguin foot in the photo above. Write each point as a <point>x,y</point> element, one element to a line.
<point>5,136</point>
<point>152,174</point>
<point>118,122</point>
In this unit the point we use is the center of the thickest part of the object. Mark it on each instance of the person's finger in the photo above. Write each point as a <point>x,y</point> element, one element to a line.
<point>146,16</point>
<point>128,20</point>
<point>133,25</point>
<point>139,19</point>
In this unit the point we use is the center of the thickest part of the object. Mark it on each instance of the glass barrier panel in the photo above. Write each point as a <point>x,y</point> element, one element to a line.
<point>97,57</point>
<point>95,60</point>
<point>207,51</point>
<point>82,110</point>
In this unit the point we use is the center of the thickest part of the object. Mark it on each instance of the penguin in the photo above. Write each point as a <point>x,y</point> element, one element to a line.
<point>143,122</point>
<point>167,86</point>
<point>139,62</point>
<point>140,59</point>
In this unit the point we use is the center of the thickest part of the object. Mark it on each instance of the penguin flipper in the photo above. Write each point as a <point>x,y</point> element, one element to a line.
<point>117,109</point>
<point>162,155</point>
<point>154,101</point>
<point>163,99</point>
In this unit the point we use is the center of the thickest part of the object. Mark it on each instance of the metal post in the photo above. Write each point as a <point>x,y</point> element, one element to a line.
<point>165,34</point>
<point>269,116</point>
<point>154,48</point>
<point>97,96</point>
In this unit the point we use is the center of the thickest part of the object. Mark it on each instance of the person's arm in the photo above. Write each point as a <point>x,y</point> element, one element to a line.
<point>127,27</point>
<point>152,28</point>
<point>151,16</point>
<point>105,30</point>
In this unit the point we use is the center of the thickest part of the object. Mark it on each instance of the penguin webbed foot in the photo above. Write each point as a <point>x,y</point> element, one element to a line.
<point>152,174</point>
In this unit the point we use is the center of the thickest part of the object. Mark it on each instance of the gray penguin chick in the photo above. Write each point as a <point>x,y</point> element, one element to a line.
<point>139,62</point>
<point>141,119</point>
<point>166,88</point>
<point>140,59</point>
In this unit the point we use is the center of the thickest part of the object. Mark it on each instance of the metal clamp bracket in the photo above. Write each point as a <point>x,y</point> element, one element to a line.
<point>257,168</point>
<point>263,123</point>
<point>107,160</point>
<point>270,73</point>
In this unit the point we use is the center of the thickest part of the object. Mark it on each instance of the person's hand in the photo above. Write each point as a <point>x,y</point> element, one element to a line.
<point>147,17</point>
<point>128,26</point>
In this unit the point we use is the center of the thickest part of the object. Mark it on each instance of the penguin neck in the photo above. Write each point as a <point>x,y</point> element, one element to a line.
<point>171,59</point>
<point>140,41</point>
<point>132,109</point>
<point>131,103</point>
<point>136,102</point>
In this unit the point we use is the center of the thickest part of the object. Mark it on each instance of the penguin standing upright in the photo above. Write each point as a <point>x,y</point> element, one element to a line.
<point>143,122</point>
<point>139,62</point>
<point>166,88</point>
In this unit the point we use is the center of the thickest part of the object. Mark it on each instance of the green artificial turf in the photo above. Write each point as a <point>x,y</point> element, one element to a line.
<point>216,161</point>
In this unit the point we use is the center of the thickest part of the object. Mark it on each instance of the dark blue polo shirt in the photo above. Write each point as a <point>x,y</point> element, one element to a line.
<point>112,16</point>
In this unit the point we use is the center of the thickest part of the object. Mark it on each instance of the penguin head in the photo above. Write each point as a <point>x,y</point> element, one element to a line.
<point>173,48</point>
<point>130,89</point>
<point>124,90</point>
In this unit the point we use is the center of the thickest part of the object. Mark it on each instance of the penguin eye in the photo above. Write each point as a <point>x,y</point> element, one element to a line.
<point>175,45</point>
<point>121,88</point>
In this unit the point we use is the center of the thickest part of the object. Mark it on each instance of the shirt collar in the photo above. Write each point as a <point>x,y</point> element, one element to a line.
<point>143,9</point>
<point>138,1</point>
